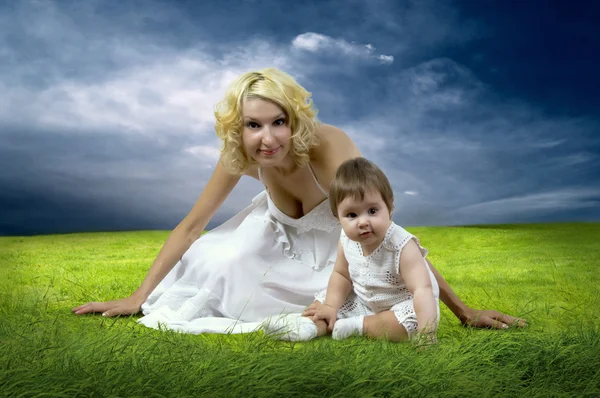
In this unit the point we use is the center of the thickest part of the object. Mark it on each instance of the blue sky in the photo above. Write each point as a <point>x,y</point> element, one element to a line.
<point>479,111</point>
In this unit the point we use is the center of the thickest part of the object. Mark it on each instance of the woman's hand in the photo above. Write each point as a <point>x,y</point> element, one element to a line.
<point>490,319</point>
<point>126,306</point>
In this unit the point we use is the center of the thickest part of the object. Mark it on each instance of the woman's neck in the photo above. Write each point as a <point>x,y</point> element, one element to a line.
<point>287,167</point>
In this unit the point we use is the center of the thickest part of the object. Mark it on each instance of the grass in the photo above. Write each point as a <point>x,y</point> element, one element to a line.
<point>547,273</point>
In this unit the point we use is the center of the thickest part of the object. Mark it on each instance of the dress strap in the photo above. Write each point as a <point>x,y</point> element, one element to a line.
<point>317,181</point>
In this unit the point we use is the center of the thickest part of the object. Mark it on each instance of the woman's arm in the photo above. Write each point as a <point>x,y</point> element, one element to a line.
<point>469,316</point>
<point>181,238</point>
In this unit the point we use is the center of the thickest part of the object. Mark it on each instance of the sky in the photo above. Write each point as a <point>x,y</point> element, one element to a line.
<point>480,112</point>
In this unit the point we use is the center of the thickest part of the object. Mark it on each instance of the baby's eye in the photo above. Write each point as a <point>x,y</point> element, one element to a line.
<point>372,210</point>
<point>279,122</point>
<point>351,215</point>
<point>252,125</point>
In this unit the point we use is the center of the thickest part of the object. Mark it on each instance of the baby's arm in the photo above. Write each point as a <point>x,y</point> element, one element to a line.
<point>337,290</point>
<point>415,274</point>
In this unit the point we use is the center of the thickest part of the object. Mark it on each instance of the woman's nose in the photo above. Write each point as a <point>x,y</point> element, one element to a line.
<point>267,136</point>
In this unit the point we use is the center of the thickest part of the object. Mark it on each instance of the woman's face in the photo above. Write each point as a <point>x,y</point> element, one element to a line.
<point>267,133</point>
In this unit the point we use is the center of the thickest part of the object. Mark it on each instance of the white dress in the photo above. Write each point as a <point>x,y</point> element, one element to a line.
<point>259,263</point>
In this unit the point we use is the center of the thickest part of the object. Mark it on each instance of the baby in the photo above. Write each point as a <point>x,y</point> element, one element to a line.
<point>381,285</point>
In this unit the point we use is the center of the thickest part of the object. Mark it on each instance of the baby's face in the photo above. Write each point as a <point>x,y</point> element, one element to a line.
<point>365,221</point>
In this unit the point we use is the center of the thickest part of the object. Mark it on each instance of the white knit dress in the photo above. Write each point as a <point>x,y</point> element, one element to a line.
<point>377,283</point>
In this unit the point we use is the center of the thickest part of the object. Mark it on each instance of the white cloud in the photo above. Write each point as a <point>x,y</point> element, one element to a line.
<point>411,193</point>
<point>204,152</point>
<point>386,59</point>
<point>157,92</point>
<point>551,144</point>
<point>316,42</point>
<point>170,95</point>
<point>575,159</point>
<point>312,41</point>
<point>94,81</point>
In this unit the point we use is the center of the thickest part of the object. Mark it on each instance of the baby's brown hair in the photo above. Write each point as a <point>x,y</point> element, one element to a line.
<point>354,178</point>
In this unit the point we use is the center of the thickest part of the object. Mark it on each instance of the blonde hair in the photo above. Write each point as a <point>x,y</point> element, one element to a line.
<point>354,178</point>
<point>279,88</point>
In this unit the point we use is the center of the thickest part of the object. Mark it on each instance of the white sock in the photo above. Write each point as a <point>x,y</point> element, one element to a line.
<point>347,327</point>
<point>292,327</point>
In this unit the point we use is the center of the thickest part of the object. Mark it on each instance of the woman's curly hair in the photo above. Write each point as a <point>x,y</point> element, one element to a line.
<point>279,88</point>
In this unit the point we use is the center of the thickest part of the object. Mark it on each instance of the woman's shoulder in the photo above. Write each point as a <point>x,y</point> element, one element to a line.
<point>328,134</point>
<point>334,145</point>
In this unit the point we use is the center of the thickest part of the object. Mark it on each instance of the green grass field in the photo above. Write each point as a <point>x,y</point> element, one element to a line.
<point>547,273</point>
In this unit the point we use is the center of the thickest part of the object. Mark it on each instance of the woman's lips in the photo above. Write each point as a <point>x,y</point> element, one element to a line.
<point>270,152</point>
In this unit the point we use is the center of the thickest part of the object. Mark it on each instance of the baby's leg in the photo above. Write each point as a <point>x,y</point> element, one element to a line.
<point>399,323</point>
<point>386,325</point>
<point>349,320</point>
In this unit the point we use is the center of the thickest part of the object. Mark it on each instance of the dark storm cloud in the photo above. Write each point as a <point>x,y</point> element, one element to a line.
<point>106,116</point>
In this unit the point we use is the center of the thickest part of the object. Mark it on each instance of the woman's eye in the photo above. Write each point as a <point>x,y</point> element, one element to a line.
<point>372,211</point>
<point>279,122</point>
<point>252,125</point>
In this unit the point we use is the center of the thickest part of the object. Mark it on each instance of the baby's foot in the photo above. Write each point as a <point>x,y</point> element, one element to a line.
<point>345,328</point>
<point>292,327</point>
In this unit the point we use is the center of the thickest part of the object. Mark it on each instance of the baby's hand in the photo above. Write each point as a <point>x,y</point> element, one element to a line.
<point>312,309</point>
<point>326,313</point>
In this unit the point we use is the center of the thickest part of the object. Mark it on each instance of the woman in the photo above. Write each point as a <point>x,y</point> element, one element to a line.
<point>274,255</point>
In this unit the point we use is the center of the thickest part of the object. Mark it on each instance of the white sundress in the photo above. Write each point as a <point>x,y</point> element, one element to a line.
<point>377,283</point>
<point>259,263</point>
